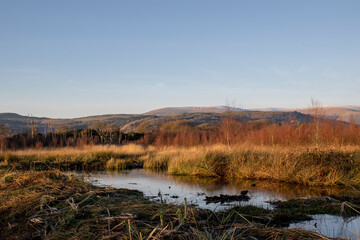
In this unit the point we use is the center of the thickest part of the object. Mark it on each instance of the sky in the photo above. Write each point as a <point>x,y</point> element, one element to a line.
<point>74,58</point>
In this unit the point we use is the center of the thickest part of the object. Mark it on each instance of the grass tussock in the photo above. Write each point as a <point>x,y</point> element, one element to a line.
<point>53,205</point>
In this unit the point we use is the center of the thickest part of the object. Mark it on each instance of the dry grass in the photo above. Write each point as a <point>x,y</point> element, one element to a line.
<point>89,157</point>
<point>323,165</point>
<point>315,166</point>
<point>130,149</point>
<point>52,205</point>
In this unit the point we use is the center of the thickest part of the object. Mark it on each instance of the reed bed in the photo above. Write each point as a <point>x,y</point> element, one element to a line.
<point>313,166</point>
<point>85,158</point>
<point>322,165</point>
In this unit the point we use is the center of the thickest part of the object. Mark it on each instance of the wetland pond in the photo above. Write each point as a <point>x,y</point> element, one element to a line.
<point>160,186</point>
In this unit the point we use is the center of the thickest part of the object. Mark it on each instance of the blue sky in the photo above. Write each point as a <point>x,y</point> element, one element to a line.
<point>74,58</point>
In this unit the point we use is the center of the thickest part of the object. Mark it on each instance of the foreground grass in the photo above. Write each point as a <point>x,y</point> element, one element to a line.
<point>338,165</point>
<point>52,205</point>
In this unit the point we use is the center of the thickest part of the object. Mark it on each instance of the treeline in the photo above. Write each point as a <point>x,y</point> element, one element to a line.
<point>230,131</point>
<point>73,138</point>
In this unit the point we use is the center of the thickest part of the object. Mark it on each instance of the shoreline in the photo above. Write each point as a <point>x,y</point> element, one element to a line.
<point>53,205</point>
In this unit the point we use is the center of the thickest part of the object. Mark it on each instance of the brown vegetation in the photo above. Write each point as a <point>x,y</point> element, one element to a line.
<point>323,152</point>
<point>53,205</point>
<point>332,165</point>
<point>230,131</point>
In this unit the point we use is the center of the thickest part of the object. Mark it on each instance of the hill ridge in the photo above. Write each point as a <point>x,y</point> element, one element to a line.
<point>197,115</point>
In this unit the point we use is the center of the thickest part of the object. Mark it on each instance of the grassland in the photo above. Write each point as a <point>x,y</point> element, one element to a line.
<point>302,165</point>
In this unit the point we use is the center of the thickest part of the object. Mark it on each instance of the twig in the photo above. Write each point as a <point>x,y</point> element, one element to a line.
<point>118,225</point>
<point>354,188</point>
<point>108,221</point>
<point>90,195</point>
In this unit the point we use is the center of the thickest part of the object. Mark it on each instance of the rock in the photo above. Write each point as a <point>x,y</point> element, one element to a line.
<point>244,192</point>
<point>226,198</point>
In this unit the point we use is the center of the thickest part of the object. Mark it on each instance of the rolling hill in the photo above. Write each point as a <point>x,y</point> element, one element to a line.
<point>175,110</point>
<point>202,118</point>
<point>196,115</point>
<point>342,113</point>
<point>143,122</point>
<point>18,123</point>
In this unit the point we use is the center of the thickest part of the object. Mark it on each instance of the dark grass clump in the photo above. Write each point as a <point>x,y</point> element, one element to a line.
<point>263,217</point>
<point>345,206</point>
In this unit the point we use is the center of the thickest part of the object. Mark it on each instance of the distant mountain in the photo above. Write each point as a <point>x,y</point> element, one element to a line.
<point>343,113</point>
<point>175,110</point>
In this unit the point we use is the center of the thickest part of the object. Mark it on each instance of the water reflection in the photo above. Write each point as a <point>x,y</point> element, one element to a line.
<point>332,226</point>
<point>173,189</point>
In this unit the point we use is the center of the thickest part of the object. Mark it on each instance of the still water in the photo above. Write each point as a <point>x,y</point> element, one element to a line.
<point>160,186</point>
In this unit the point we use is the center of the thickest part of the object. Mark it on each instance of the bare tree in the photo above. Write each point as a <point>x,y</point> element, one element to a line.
<point>317,111</point>
<point>31,126</point>
<point>4,130</point>
<point>63,129</point>
<point>48,130</point>
<point>4,133</point>
<point>100,127</point>
<point>229,124</point>
<point>112,128</point>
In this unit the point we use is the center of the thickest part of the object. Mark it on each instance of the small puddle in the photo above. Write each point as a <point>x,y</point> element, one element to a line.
<point>332,226</point>
<point>174,189</point>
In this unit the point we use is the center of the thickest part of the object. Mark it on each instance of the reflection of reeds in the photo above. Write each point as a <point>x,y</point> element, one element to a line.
<point>282,189</point>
